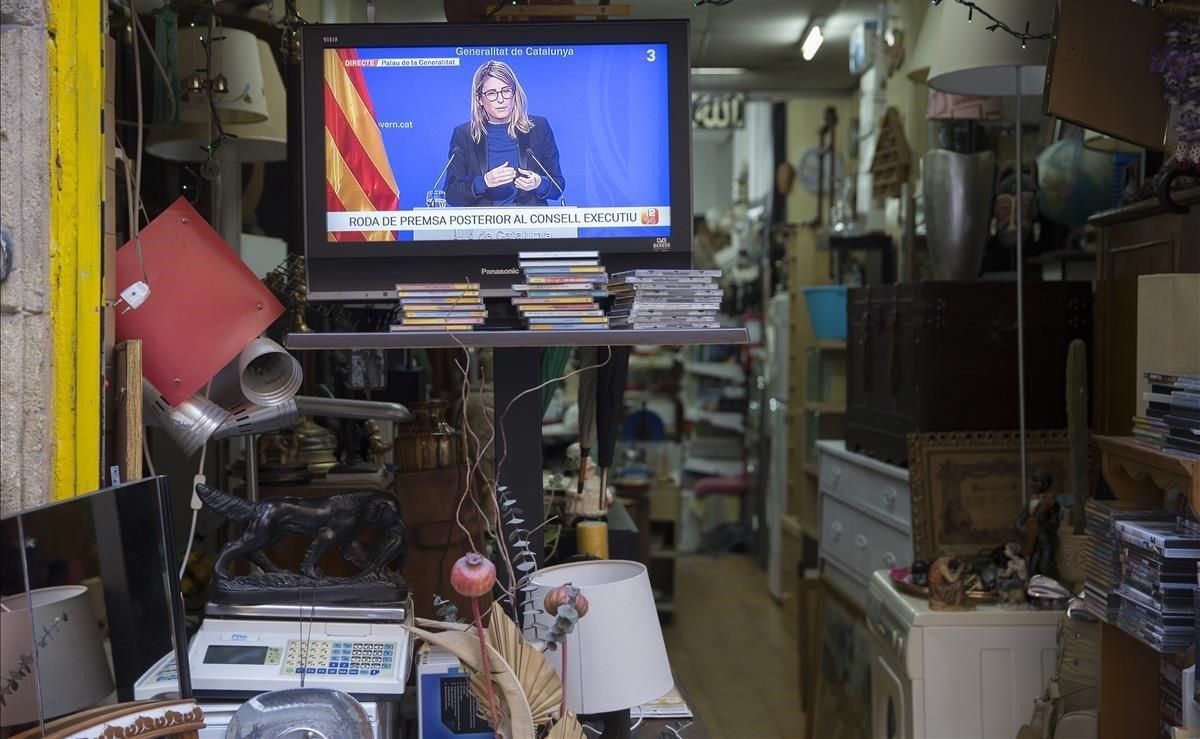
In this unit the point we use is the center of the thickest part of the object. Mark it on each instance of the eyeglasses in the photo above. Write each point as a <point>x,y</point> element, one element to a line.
<point>504,93</point>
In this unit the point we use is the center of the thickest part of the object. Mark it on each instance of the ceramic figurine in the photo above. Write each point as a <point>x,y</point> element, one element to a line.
<point>1037,526</point>
<point>1011,580</point>
<point>947,584</point>
<point>332,522</point>
<point>920,572</point>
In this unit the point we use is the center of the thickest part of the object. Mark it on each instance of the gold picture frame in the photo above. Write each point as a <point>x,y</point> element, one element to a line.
<point>966,486</point>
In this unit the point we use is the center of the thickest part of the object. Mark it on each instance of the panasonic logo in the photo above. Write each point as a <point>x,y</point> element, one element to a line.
<point>486,271</point>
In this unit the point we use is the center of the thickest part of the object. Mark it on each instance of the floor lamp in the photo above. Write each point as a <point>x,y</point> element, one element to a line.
<point>971,58</point>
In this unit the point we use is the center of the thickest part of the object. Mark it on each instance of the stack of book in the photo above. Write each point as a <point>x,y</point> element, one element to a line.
<point>443,306</point>
<point>666,298</point>
<point>1102,581</point>
<point>561,291</point>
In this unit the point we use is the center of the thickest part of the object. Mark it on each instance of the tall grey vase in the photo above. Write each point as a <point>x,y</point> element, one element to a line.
<point>958,208</point>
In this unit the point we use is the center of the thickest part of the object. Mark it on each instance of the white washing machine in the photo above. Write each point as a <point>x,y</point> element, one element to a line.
<point>954,675</point>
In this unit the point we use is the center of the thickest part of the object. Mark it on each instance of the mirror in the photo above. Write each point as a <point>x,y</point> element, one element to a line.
<point>89,600</point>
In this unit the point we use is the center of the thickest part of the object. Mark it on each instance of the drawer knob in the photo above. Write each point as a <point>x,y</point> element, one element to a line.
<point>860,541</point>
<point>889,498</point>
<point>889,560</point>
<point>835,475</point>
<point>836,528</point>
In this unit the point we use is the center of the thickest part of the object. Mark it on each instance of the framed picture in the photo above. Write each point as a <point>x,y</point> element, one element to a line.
<point>967,487</point>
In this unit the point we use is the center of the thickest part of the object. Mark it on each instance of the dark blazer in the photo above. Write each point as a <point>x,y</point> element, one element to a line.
<point>472,162</point>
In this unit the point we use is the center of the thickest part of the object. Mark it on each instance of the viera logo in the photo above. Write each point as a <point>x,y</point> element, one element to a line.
<point>486,271</point>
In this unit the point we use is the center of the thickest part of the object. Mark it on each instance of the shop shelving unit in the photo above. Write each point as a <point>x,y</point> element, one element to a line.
<point>517,367</point>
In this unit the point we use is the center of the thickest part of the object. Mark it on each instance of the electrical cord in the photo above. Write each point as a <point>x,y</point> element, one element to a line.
<point>196,503</point>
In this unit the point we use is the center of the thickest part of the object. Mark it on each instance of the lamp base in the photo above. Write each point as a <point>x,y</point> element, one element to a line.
<point>616,723</point>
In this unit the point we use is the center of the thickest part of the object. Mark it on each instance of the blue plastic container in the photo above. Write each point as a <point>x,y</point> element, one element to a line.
<point>827,310</point>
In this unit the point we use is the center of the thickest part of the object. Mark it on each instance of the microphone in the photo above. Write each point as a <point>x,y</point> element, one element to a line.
<point>453,153</point>
<point>548,175</point>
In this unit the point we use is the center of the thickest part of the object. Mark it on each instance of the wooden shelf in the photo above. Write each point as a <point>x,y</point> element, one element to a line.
<point>515,338</point>
<point>1141,473</point>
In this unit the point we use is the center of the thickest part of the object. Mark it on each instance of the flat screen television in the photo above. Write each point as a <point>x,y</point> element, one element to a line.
<point>436,153</point>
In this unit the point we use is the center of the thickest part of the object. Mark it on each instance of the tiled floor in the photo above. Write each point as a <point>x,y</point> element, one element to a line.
<point>728,646</point>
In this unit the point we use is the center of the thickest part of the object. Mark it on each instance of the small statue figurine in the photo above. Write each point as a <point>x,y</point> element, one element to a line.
<point>1011,580</point>
<point>1037,526</point>
<point>947,584</point>
<point>331,521</point>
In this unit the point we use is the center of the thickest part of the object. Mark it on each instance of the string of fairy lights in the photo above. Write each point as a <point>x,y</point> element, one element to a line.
<point>998,25</point>
<point>995,24</point>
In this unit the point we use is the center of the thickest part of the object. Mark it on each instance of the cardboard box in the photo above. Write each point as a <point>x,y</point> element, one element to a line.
<point>1168,320</point>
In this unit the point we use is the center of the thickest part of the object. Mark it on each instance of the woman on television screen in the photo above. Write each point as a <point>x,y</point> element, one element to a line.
<point>502,155</point>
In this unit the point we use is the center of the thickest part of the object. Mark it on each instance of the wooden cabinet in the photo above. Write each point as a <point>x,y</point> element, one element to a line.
<point>1135,240</point>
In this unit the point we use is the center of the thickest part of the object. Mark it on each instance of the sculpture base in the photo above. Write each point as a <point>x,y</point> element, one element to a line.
<point>288,587</point>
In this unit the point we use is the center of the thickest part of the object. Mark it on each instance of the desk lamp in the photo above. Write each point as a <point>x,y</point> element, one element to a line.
<point>974,59</point>
<point>616,655</point>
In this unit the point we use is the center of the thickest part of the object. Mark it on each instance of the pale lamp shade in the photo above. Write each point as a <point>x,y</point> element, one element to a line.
<point>616,657</point>
<point>1097,141</point>
<point>970,61</point>
<point>264,141</point>
<point>235,57</point>
<point>71,668</point>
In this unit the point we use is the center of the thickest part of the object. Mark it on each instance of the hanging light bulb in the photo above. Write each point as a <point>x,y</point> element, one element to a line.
<point>220,85</point>
<point>193,84</point>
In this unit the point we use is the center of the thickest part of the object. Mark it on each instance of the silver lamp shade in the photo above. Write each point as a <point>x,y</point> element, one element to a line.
<point>248,418</point>
<point>268,374</point>
<point>189,424</point>
<point>958,208</point>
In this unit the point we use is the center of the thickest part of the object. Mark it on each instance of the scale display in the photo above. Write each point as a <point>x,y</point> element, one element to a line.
<point>244,657</point>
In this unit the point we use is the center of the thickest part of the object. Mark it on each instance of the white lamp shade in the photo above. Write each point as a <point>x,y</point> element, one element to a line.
<point>616,658</point>
<point>970,61</point>
<point>71,671</point>
<point>922,54</point>
<point>264,141</point>
<point>1096,141</point>
<point>235,56</point>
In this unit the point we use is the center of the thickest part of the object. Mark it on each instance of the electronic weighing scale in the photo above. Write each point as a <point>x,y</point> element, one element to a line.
<point>243,650</point>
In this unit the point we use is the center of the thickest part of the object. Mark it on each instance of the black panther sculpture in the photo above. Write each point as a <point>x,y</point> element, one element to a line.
<point>331,521</point>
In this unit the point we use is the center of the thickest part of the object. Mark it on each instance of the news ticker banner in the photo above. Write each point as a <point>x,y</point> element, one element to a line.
<point>533,219</point>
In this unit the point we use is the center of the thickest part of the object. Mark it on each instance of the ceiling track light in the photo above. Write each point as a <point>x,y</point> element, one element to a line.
<point>812,39</point>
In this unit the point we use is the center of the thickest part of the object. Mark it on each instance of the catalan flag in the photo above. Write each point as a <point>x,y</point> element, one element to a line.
<point>358,176</point>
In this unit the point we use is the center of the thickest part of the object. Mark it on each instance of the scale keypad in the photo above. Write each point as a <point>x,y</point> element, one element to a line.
<point>341,658</point>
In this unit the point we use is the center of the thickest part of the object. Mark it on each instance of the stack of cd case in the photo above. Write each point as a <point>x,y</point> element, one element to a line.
<point>1157,588</point>
<point>561,291</point>
<point>1102,581</point>
<point>441,306</point>
<point>665,298</point>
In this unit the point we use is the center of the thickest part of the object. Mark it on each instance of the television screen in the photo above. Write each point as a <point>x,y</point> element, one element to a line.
<point>478,142</point>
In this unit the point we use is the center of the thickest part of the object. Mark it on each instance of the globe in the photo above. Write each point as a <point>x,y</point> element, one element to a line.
<point>1073,182</point>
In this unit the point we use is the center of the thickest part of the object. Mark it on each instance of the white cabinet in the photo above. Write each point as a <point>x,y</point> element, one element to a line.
<point>866,518</point>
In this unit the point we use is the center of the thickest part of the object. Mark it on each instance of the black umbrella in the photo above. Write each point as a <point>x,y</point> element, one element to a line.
<point>610,397</point>
<point>587,410</point>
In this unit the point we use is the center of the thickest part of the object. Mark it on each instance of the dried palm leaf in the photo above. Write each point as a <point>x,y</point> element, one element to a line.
<point>519,722</point>
<point>542,685</point>
<point>568,727</point>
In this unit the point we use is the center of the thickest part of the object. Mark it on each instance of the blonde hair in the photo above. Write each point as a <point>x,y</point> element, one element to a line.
<point>518,120</point>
